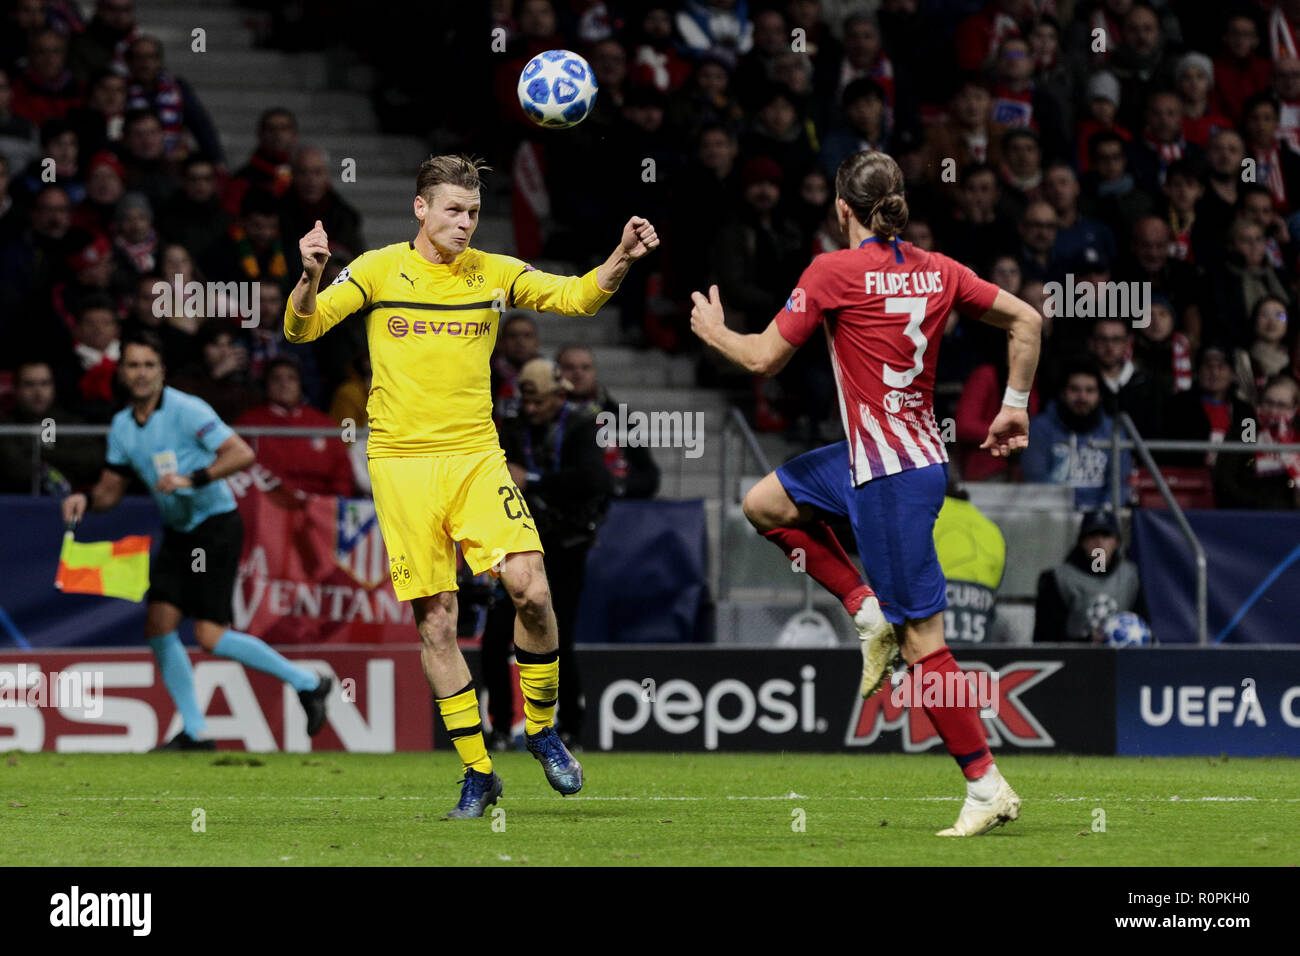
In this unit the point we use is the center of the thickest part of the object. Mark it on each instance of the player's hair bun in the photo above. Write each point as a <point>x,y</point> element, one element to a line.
<point>872,185</point>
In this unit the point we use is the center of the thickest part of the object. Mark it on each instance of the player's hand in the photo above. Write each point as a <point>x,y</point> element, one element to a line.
<point>74,508</point>
<point>639,238</point>
<point>707,315</point>
<point>315,249</point>
<point>169,483</point>
<point>1009,432</point>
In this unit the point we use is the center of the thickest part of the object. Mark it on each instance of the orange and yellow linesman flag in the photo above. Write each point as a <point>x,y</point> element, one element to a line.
<point>112,568</point>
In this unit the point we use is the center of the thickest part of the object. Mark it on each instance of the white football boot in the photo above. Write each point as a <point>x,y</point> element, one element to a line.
<point>879,645</point>
<point>980,814</point>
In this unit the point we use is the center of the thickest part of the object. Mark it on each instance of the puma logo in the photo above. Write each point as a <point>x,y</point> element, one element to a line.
<point>408,279</point>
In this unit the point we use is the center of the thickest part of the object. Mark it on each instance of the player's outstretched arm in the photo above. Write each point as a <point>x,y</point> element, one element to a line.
<point>763,354</point>
<point>104,496</point>
<point>1010,428</point>
<point>638,240</point>
<point>315,251</point>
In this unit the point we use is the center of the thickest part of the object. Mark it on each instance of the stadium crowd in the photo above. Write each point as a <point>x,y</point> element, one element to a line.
<point>1061,149</point>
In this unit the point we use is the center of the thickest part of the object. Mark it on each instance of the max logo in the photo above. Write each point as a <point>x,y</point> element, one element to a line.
<point>1006,720</point>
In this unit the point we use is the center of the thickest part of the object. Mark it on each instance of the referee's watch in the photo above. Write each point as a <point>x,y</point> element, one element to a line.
<point>200,477</point>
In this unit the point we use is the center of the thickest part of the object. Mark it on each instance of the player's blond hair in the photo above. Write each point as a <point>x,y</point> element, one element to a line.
<point>454,170</point>
<point>872,185</point>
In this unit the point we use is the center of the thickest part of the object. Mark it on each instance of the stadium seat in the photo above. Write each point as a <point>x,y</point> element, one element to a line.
<point>1192,487</point>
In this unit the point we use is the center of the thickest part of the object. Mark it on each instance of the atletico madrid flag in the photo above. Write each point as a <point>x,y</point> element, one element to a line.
<point>112,568</point>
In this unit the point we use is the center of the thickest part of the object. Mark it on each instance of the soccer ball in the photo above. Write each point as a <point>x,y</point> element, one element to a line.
<point>1126,629</point>
<point>557,89</point>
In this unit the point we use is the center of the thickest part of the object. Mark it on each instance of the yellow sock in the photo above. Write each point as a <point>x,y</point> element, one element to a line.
<point>539,679</point>
<point>460,713</point>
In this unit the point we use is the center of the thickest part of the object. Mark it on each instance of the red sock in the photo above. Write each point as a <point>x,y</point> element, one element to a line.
<point>825,559</point>
<point>957,718</point>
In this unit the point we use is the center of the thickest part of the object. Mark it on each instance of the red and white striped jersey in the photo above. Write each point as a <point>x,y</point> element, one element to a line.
<point>884,306</point>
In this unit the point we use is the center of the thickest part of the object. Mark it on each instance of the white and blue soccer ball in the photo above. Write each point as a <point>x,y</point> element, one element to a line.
<point>1126,629</point>
<point>557,89</point>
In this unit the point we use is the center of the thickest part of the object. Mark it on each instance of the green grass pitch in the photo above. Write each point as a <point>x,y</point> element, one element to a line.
<point>639,809</point>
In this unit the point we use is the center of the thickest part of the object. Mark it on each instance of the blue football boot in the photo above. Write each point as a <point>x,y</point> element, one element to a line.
<point>479,791</point>
<point>563,773</point>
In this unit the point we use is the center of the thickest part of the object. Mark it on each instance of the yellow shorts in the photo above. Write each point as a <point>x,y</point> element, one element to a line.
<point>426,505</point>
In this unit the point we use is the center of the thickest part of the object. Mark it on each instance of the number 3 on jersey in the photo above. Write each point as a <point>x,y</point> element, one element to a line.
<point>913,307</point>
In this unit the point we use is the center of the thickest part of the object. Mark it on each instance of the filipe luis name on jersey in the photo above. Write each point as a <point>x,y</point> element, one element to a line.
<point>904,283</point>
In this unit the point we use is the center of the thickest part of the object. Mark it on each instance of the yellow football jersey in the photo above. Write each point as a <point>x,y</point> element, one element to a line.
<point>431,329</point>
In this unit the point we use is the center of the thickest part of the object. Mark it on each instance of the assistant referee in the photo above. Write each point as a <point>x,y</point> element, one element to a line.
<point>181,450</point>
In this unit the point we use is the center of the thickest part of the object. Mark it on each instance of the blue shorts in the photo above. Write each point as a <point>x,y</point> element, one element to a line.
<point>893,523</point>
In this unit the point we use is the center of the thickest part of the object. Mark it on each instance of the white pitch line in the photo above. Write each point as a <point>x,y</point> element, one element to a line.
<point>675,799</point>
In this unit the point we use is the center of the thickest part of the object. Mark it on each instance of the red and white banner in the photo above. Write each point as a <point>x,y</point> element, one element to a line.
<point>313,569</point>
<point>107,701</point>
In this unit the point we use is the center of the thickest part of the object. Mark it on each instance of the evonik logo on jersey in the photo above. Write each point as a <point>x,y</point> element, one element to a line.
<point>399,327</point>
<point>1007,719</point>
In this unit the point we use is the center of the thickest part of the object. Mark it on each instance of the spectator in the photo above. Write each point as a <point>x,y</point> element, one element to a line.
<point>1038,228</point>
<point>1111,194</point>
<point>144,311</point>
<point>1139,61</point>
<point>103,44</point>
<point>1182,190</point>
<point>781,134</point>
<point>1160,142</point>
<point>1060,452</point>
<point>1269,353</point>
<point>1255,204</point>
<point>105,187</point>
<point>864,57</point>
<point>253,247</point>
<point>757,68</point>
<point>193,218</point>
<point>1194,77</point>
<point>1286,87</point>
<point>67,462</point>
<point>717,27</point>
<point>135,240</point>
<point>266,343</point>
<point>270,167</point>
<point>973,555</point>
<point>756,255</point>
<point>98,347</point>
<point>19,143</point>
<point>632,468</point>
<point>708,194</point>
<point>1217,208</point>
<point>516,346</point>
<point>1013,92</point>
<point>148,170</point>
<point>1102,107</point>
<point>99,123</point>
<point>90,265</point>
<point>1021,171</point>
<point>47,89</point>
<point>314,466</point>
<point>1266,480</point>
<point>1238,281</point>
<point>968,135</point>
<point>1209,411</point>
<point>1127,387</point>
<point>312,196</point>
<point>980,402</point>
<point>171,99</point>
<point>11,219</point>
<point>981,34</point>
<point>34,256</point>
<point>1149,260</point>
<point>58,143</point>
<point>1239,72</point>
<point>655,60</point>
<point>220,377</point>
<point>1075,232</point>
<point>707,99</point>
<point>1163,351</point>
<point>976,232</point>
<point>1095,582</point>
<point>863,109</point>
<point>1276,165</point>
